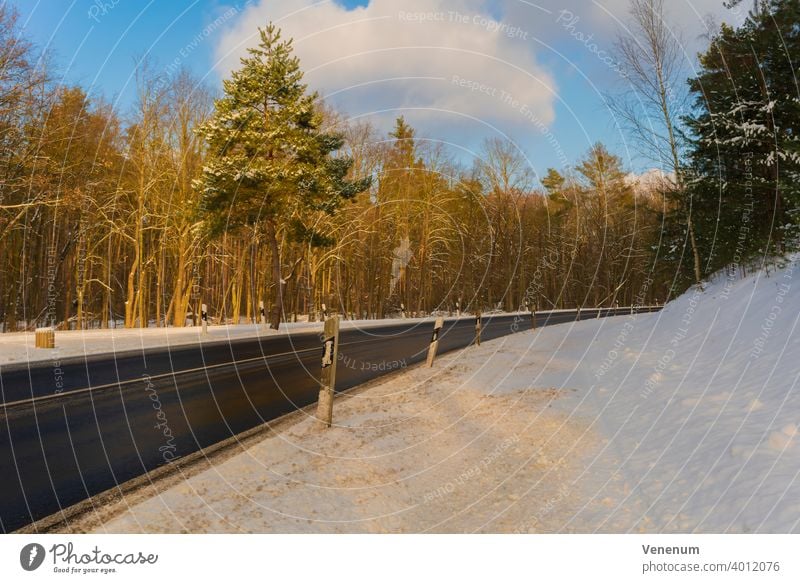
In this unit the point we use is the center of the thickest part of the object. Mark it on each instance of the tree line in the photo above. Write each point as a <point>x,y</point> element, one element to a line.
<point>263,193</point>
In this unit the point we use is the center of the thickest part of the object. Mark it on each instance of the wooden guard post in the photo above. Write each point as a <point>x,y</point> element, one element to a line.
<point>330,354</point>
<point>435,340</point>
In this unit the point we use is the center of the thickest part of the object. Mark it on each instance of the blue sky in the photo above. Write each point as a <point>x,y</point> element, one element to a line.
<point>557,75</point>
<point>96,43</point>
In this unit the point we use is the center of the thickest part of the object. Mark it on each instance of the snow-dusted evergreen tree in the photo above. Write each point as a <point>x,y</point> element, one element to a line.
<point>270,163</point>
<point>745,155</point>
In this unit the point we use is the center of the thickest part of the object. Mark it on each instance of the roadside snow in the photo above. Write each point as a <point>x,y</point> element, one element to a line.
<point>425,450</point>
<point>680,421</point>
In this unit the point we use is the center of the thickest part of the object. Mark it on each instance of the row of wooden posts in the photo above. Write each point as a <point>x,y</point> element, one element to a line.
<point>330,355</point>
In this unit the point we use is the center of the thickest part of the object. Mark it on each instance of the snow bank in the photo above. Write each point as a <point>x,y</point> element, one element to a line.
<point>701,406</point>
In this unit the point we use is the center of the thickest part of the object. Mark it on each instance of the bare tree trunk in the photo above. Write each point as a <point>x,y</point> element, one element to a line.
<point>276,311</point>
<point>698,274</point>
<point>129,301</point>
<point>179,303</point>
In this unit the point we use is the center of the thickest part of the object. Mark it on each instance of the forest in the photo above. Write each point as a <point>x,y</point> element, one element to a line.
<point>262,192</point>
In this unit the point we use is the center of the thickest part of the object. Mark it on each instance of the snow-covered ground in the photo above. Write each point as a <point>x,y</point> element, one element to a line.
<point>679,421</point>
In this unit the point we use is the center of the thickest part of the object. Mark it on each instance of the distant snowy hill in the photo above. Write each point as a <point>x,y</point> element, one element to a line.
<point>649,180</point>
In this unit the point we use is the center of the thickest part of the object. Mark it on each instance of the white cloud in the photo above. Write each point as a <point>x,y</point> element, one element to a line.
<point>448,56</point>
<point>603,17</point>
<point>602,20</point>
<point>689,19</point>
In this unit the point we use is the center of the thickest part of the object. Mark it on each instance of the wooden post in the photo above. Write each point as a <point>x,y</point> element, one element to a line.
<point>330,354</point>
<point>204,318</point>
<point>434,346</point>
<point>45,338</point>
<point>478,328</point>
<point>262,313</point>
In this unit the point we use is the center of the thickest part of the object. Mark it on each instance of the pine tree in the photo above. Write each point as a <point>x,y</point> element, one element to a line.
<point>553,181</point>
<point>745,154</point>
<point>270,163</point>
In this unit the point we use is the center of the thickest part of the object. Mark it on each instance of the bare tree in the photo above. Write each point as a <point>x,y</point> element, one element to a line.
<point>190,103</point>
<point>656,93</point>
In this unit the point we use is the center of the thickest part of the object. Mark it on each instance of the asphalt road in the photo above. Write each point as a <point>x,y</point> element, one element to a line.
<point>117,416</point>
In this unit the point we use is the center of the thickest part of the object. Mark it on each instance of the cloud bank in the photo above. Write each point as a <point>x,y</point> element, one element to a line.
<point>444,61</point>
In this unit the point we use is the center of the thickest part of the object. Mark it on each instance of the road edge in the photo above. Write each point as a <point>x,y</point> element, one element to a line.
<point>89,514</point>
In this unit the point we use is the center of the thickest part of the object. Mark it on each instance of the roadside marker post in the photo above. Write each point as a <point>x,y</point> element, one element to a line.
<point>402,310</point>
<point>458,308</point>
<point>434,346</point>
<point>330,354</point>
<point>478,328</point>
<point>533,317</point>
<point>204,318</point>
<point>262,313</point>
